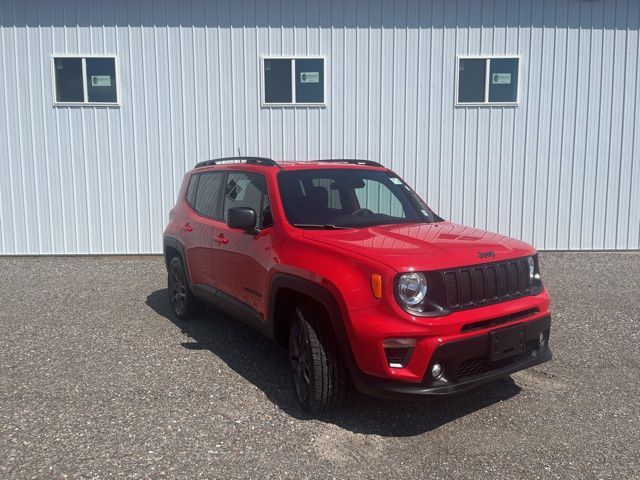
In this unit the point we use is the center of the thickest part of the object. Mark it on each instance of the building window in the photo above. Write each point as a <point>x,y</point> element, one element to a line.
<point>85,81</point>
<point>487,81</point>
<point>293,81</point>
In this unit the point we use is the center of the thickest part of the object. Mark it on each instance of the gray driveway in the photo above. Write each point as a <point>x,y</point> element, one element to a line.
<point>97,379</point>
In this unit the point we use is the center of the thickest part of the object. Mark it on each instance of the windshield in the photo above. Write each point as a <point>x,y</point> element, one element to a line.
<point>349,198</point>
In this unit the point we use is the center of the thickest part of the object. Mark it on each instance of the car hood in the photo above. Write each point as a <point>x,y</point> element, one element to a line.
<point>424,246</point>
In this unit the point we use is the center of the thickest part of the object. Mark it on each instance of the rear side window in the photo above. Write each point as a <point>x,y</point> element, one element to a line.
<point>191,191</point>
<point>207,201</point>
<point>243,189</point>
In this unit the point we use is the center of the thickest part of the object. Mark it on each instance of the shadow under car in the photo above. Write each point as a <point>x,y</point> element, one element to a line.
<point>264,363</point>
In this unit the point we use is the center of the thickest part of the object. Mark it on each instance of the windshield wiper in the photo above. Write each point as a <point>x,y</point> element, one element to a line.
<point>326,226</point>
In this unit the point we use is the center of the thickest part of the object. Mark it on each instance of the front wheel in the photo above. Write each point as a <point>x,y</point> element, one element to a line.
<point>320,378</point>
<point>183,303</point>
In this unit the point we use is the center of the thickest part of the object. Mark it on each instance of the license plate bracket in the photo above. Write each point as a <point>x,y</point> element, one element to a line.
<point>506,342</point>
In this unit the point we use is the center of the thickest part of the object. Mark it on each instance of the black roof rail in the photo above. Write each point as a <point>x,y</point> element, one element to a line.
<point>353,161</point>
<point>254,160</point>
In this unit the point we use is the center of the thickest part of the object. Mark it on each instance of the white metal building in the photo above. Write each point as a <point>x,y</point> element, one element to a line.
<point>518,116</point>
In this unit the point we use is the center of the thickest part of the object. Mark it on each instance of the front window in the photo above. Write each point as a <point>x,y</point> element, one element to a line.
<point>349,198</point>
<point>244,189</point>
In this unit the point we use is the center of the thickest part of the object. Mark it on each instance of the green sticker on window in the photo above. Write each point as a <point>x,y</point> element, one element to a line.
<point>309,77</point>
<point>501,78</point>
<point>100,80</point>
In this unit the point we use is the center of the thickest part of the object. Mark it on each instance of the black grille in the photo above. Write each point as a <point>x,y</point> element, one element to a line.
<point>482,284</point>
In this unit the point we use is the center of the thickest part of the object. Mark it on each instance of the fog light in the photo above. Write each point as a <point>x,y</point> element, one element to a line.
<point>398,351</point>
<point>542,340</point>
<point>436,371</point>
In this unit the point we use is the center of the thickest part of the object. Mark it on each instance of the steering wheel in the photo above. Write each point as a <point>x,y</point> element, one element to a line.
<point>363,212</point>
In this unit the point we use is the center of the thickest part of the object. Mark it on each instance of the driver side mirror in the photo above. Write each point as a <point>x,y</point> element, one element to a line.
<point>241,217</point>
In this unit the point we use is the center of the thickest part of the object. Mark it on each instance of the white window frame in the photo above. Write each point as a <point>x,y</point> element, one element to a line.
<point>487,59</point>
<point>86,102</point>
<point>293,103</point>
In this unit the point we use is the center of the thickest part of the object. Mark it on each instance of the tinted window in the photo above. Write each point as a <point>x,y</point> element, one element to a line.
<point>101,80</point>
<point>191,191</point>
<point>499,86</point>
<point>69,86</point>
<point>309,80</point>
<point>207,195</point>
<point>293,81</point>
<point>471,80</point>
<point>348,198</point>
<point>277,81</point>
<point>247,190</point>
<point>503,80</point>
<point>85,80</point>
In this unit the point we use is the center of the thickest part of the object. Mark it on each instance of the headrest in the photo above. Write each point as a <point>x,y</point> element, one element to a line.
<point>319,197</point>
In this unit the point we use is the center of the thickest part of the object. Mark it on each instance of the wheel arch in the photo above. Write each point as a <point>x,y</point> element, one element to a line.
<point>286,290</point>
<point>173,248</point>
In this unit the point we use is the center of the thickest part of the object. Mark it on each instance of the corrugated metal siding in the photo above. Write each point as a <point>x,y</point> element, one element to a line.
<point>561,170</point>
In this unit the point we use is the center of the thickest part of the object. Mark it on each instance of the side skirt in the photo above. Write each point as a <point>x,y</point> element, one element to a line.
<point>231,306</point>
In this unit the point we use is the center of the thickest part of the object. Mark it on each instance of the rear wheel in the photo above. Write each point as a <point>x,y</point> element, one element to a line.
<point>183,303</point>
<point>320,378</point>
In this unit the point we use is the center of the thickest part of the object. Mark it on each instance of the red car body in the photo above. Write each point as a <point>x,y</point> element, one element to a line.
<point>247,273</point>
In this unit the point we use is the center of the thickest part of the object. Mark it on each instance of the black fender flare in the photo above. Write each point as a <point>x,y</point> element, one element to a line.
<point>171,242</point>
<point>325,298</point>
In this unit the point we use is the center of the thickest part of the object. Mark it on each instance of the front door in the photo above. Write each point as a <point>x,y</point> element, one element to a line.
<point>241,258</point>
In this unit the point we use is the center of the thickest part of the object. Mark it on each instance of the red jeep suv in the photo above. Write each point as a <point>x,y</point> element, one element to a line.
<point>344,264</point>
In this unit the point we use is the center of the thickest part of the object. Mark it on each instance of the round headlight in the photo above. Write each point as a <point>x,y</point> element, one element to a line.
<point>412,288</point>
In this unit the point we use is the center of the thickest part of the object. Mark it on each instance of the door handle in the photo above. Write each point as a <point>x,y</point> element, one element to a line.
<point>187,228</point>
<point>221,239</point>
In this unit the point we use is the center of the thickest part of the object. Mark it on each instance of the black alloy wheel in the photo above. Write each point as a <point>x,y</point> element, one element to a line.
<point>183,303</point>
<point>320,377</point>
<point>299,356</point>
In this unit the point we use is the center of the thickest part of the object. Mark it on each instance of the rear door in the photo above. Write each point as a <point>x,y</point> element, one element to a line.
<point>241,258</point>
<point>204,220</point>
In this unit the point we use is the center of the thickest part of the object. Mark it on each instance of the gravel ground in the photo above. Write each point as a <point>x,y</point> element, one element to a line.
<point>98,380</point>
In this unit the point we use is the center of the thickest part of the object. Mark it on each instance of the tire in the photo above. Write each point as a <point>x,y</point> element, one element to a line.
<point>183,303</point>
<point>320,378</point>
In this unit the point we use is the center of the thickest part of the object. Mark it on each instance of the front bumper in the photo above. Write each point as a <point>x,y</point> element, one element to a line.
<point>466,365</point>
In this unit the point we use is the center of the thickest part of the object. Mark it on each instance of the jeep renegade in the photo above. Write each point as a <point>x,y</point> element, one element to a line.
<point>342,263</point>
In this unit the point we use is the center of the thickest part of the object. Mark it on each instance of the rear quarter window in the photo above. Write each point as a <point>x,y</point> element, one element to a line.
<point>191,190</point>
